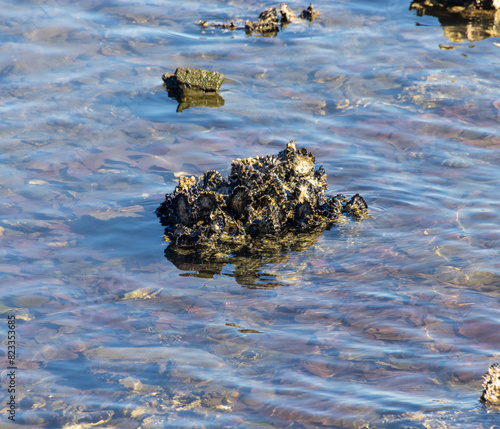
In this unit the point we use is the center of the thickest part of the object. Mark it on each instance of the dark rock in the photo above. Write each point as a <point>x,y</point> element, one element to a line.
<point>356,206</point>
<point>265,196</point>
<point>269,22</point>
<point>462,19</point>
<point>456,5</point>
<point>309,13</point>
<point>491,386</point>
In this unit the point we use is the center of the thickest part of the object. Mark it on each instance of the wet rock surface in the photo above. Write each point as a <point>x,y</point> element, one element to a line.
<point>194,87</point>
<point>491,386</point>
<point>269,21</point>
<point>462,20</point>
<point>309,13</point>
<point>272,200</point>
<point>456,5</point>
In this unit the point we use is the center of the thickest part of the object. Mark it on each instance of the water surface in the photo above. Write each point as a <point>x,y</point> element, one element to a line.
<point>387,322</point>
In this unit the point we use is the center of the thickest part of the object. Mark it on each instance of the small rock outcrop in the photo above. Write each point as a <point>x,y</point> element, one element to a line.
<point>193,79</point>
<point>309,13</point>
<point>471,20</point>
<point>263,196</point>
<point>194,87</point>
<point>269,21</point>
<point>491,386</point>
<point>456,5</point>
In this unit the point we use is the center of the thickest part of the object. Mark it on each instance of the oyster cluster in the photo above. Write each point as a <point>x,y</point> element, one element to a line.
<point>491,386</point>
<point>265,196</point>
<point>269,20</point>
<point>471,20</point>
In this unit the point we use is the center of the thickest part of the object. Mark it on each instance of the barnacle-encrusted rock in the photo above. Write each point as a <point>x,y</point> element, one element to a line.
<point>491,386</point>
<point>309,13</point>
<point>461,20</point>
<point>269,21</point>
<point>262,196</point>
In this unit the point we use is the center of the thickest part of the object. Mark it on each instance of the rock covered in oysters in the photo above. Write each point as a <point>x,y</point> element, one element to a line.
<point>262,196</point>
<point>269,20</point>
<point>491,386</point>
<point>457,5</point>
<point>471,20</point>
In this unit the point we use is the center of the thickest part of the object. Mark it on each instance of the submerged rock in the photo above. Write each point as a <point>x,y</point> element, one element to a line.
<point>268,21</point>
<point>491,386</point>
<point>287,15</point>
<point>269,197</point>
<point>309,13</point>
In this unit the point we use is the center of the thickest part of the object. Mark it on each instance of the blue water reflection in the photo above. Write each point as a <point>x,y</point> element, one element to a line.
<point>387,322</point>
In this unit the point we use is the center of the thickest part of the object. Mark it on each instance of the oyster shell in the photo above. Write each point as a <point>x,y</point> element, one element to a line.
<point>491,386</point>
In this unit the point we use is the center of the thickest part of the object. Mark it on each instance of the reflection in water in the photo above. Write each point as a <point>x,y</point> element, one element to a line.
<point>460,23</point>
<point>187,99</point>
<point>267,206</point>
<point>269,23</point>
<point>194,87</point>
<point>247,260</point>
<point>392,321</point>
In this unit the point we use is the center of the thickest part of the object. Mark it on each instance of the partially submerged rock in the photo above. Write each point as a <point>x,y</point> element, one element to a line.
<point>194,87</point>
<point>457,5</point>
<point>193,79</point>
<point>309,13</point>
<point>265,196</point>
<point>462,19</point>
<point>287,15</point>
<point>491,386</point>
<point>269,21</point>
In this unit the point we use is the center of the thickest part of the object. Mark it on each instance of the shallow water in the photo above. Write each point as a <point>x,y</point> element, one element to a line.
<point>386,322</point>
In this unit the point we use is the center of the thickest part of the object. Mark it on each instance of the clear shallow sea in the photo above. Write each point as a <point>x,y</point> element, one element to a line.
<point>387,322</point>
